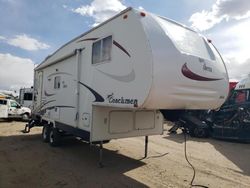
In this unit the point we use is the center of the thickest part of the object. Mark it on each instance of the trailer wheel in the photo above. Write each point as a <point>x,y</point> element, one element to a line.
<point>54,137</point>
<point>200,132</point>
<point>46,133</point>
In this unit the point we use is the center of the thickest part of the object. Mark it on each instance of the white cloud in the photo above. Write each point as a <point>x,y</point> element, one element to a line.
<point>27,43</point>
<point>237,71</point>
<point>2,38</point>
<point>15,72</point>
<point>221,10</point>
<point>141,8</point>
<point>238,41</point>
<point>100,10</point>
<point>233,41</point>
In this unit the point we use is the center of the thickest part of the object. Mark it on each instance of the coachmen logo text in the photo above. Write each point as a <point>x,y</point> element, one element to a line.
<point>122,100</point>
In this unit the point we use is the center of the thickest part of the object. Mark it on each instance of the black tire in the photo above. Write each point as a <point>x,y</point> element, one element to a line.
<point>45,133</point>
<point>55,137</point>
<point>200,132</point>
<point>191,132</point>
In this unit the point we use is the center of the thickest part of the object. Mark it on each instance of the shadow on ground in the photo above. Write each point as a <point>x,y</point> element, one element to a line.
<point>238,153</point>
<point>26,160</point>
<point>8,120</point>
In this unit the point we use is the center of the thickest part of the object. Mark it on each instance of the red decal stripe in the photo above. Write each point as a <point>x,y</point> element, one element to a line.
<point>120,46</point>
<point>191,75</point>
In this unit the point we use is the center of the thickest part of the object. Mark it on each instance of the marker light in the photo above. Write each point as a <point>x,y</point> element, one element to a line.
<point>143,14</point>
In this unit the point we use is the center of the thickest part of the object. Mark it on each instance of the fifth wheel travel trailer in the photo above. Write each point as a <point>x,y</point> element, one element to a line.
<point>112,81</point>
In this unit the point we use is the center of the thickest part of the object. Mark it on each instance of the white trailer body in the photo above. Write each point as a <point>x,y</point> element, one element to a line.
<point>26,97</point>
<point>111,81</point>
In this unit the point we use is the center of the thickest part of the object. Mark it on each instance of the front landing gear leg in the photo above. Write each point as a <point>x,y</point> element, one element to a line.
<point>100,154</point>
<point>146,147</point>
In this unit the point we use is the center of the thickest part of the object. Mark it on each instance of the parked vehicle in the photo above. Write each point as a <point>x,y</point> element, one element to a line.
<point>10,109</point>
<point>232,85</point>
<point>111,81</point>
<point>26,97</point>
<point>231,121</point>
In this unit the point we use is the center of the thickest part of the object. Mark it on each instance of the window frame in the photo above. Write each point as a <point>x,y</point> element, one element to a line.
<point>101,61</point>
<point>56,86</point>
<point>3,102</point>
<point>27,96</point>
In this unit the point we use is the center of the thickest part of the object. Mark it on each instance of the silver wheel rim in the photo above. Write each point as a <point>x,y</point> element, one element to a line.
<point>51,137</point>
<point>44,133</point>
<point>25,117</point>
<point>199,132</point>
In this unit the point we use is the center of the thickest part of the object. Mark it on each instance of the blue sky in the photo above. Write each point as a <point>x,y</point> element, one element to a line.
<point>32,29</point>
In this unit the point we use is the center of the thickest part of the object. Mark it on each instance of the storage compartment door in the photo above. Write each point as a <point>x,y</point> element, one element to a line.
<point>112,123</point>
<point>144,120</point>
<point>120,122</point>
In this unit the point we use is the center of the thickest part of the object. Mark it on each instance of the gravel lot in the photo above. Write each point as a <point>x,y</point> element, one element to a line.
<point>25,161</point>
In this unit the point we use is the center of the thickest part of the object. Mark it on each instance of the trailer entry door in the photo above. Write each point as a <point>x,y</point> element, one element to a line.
<point>40,88</point>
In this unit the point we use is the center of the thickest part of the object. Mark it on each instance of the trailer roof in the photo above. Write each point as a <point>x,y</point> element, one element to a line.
<point>42,65</point>
<point>85,33</point>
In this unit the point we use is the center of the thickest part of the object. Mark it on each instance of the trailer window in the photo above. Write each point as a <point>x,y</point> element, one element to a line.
<point>186,40</point>
<point>3,102</point>
<point>96,52</point>
<point>57,82</point>
<point>27,96</point>
<point>101,50</point>
<point>106,48</point>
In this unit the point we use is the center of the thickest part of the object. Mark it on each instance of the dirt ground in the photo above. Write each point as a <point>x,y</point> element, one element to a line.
<point>25,161</point>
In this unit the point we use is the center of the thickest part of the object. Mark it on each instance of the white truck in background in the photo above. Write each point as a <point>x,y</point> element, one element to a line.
<point>26,97</point>
<point>11,109</point>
